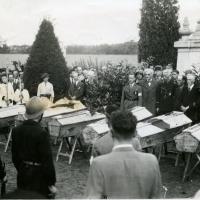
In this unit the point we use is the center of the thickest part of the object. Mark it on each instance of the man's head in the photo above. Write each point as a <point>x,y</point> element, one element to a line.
<point>131,78</point>
<point>4,79</point>
<point>190,79</point>
<point>148,74</point>
<point>10,78</point>
<point>175,74</point>
<point>123,125</point>
<point>167,74</point>
<point>79,70</point>
<point>15,74</point>
<point>75,75</point>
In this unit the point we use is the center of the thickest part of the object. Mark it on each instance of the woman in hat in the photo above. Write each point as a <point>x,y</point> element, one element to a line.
<point>31,152</point>
<point>45,89</point>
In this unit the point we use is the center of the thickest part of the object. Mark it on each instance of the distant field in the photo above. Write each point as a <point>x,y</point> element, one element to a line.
<point>71,59</point>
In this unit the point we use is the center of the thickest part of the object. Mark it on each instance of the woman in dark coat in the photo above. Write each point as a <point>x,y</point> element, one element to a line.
<point>31,152</point>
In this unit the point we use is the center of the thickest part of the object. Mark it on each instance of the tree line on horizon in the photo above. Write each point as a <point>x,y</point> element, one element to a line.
<point>130,47</point>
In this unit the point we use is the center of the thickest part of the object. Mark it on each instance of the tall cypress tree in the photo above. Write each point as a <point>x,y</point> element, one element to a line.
<point>46,56</point>
<point>159,29</point>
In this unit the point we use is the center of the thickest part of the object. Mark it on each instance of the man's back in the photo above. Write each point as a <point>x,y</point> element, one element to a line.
<point>124,173</point>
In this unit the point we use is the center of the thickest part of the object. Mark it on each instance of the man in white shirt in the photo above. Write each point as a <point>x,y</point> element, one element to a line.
<point>45,89</point>
<point>124,173</point>
<point>6,92</point>
<point>21,95</point>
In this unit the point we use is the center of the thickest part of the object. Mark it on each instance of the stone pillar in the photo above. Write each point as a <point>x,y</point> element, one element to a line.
<point>188,47</point>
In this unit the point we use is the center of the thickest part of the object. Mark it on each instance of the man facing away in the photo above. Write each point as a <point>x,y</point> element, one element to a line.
<point>104,144</point>
<point>124,173</point>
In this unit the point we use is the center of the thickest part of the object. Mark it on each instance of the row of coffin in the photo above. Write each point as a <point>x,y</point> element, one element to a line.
<point>150,130</point>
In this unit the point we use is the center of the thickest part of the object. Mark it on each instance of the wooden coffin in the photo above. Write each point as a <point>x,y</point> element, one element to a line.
<point>50,113</point>
<point>161,129</point>
<point>188,140</point>
<point>59,126</point>
<point>141,113</point>
<point>8,114</point>
<point>95,130</point>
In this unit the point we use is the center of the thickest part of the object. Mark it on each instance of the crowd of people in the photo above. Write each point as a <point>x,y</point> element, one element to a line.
<point>119,168</point>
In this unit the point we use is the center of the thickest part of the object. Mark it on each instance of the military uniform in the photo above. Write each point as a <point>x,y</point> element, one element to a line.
<point>165,96</point>
<point>131,96</point>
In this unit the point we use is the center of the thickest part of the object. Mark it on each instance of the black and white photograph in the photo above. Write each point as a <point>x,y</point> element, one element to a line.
<point>100,99</point>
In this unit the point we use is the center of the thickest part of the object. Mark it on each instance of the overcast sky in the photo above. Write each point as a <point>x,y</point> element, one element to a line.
<point>80,21</point>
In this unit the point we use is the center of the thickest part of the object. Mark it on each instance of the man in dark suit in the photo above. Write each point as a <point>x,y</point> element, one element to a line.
<point>31,152</point>
<point>149,86</point>
<point>124,173</point>
<point>189,98</point>
<point>131,94</point>
<point>76,88</point>
<point>165,94</point>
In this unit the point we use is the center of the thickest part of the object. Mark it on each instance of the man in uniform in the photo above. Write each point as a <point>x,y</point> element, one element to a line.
<point>149,86</point>
<point>124,173</point>
<point>165,94</point>
<point>131,94</point>
<point>31,152</point>
<point>45,89</point>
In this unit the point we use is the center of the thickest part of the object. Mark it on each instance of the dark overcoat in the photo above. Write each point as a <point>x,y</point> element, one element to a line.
<point>149,95</point>
<point>165,96</point>
<point>30,143</point>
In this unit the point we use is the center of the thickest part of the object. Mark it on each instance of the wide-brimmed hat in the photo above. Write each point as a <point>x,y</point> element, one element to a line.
<point>45,75</point>
<point>34,108</point>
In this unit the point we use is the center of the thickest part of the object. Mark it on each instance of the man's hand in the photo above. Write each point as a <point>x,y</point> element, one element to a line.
<point>184,109</point>
<point>53,189</point>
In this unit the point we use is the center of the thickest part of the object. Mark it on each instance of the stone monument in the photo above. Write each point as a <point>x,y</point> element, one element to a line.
<point>188,47</point>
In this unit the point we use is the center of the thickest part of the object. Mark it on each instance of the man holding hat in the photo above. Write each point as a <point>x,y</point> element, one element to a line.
<point>45,89</point>
<point>31,152</point>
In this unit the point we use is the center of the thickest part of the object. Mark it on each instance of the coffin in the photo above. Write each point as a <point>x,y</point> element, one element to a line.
<point>59,126</point>
<point>161,129</point>
<point>188,140</point>
<point>8,114</point>
<point>96,130</point>
<point>141,113</point>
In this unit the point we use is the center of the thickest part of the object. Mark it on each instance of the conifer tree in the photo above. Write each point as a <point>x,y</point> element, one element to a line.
<point>46,56</point>
<point>159,29</point>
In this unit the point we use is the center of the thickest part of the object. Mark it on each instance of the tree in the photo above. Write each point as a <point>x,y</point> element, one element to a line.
<point>46,56</point>
<point>159,29</point>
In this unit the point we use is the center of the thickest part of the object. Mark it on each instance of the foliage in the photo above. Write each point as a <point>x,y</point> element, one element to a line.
<point>123,48</point>
<point>46,56</point>
<point>159,29</point>
<point>107,87</point>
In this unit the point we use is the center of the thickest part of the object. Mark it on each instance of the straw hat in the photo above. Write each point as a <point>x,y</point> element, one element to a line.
<point>34,108</point>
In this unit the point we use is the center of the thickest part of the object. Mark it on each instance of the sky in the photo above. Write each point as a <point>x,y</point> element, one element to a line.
<point>86,22</point>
